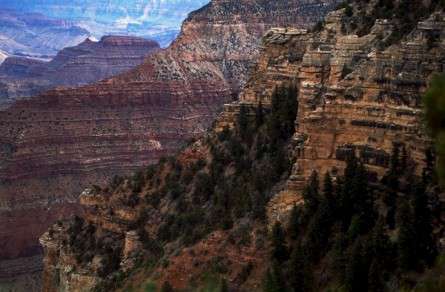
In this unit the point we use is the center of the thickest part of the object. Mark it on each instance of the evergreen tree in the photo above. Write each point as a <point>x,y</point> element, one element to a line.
<point>363,201</point>
<point>376,281</point>
<point>348,189</point>
<point>280,252</point>
<point>328,187</point>
<point>340,258</point>
<point>319,230</point>
<point>311,194</point>
<point>273,281</point>
<point>406,244</point>
<point>243,122</point>
<point>259,115</point>
<point>357,268</point>
<point>270,283</point>
<point>426,247</point>
<point>428,173</point>
<point>223,286</point>
<point>167,287</point>
<point>300,271</point>
<point>294,223</point>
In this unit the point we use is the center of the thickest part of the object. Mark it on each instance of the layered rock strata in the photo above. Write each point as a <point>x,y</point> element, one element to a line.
<point>355,96</point>
<point>58,143</point>
<point>85,63</point>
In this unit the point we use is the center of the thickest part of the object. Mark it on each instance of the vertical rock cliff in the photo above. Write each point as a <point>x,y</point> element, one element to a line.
<point>359,85</point>
<point>57,143</point>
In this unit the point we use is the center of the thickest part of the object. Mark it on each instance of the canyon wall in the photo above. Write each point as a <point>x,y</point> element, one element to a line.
<point>357,94</point>
<point>83,64</point>
<point>56,144</point>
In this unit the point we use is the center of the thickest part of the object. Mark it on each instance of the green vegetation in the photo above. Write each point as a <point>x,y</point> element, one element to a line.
<point>434,101</point>
<point>344,230</point>
<point>403,14</point>
<point>234,183</point>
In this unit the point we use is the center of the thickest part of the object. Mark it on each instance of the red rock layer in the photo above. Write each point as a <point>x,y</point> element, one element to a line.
<point>55,144</point>
<point>83,64</point>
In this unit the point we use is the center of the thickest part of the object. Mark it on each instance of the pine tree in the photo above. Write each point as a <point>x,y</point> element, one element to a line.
<point>340,258</point>
<point>346,202</point>
<point>270,283</point>
<point>426,247</point>
<point>294,223</point>
<point>223,286</point>
<point>311,194</point>
<point>376,281</point>
<point>406,244</point>
<point>428,173</point>
<point>328,187</point>
<point>357,268</point>
<point>363,200</point>
<point>166,287</point>
<point>273,281</point>
<point>259,115</point>
<point>300,271</point>
<point>280,252</point>
<point>243,122</point>
<point>318,233</point>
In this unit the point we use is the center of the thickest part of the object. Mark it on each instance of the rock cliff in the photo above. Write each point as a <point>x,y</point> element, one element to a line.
<point>357,94</point>
<point>59,142</point>
<point>83,64</point>
<point>359,90</point>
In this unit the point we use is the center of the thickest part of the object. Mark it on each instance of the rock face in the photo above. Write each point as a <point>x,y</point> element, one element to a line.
<point>58,143</point>
<point>356,94</point>
<point>85,63</point>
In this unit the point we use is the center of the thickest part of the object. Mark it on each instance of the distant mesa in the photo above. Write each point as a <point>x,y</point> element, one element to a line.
<point>85,63</point>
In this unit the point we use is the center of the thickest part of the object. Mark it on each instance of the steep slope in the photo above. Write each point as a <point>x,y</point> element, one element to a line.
<point>56,144</point>
<point>83,64</point>
<point>206,211</point>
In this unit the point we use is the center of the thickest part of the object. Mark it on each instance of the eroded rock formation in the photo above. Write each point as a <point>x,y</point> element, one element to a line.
<point>357,94</point>
<point>83,64</point>
<point>56,144</point>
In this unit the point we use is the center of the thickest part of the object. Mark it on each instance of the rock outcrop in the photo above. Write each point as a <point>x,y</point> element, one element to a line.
<point>357,94</point>
<point>61,141</point>
<point>83,64</point>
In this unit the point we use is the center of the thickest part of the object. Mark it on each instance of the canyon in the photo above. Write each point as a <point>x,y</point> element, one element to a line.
<point>83,64</point>
<point>154,19</point>
<point>359,92</point>
<point>36,35</point>
<point>56,144</point>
